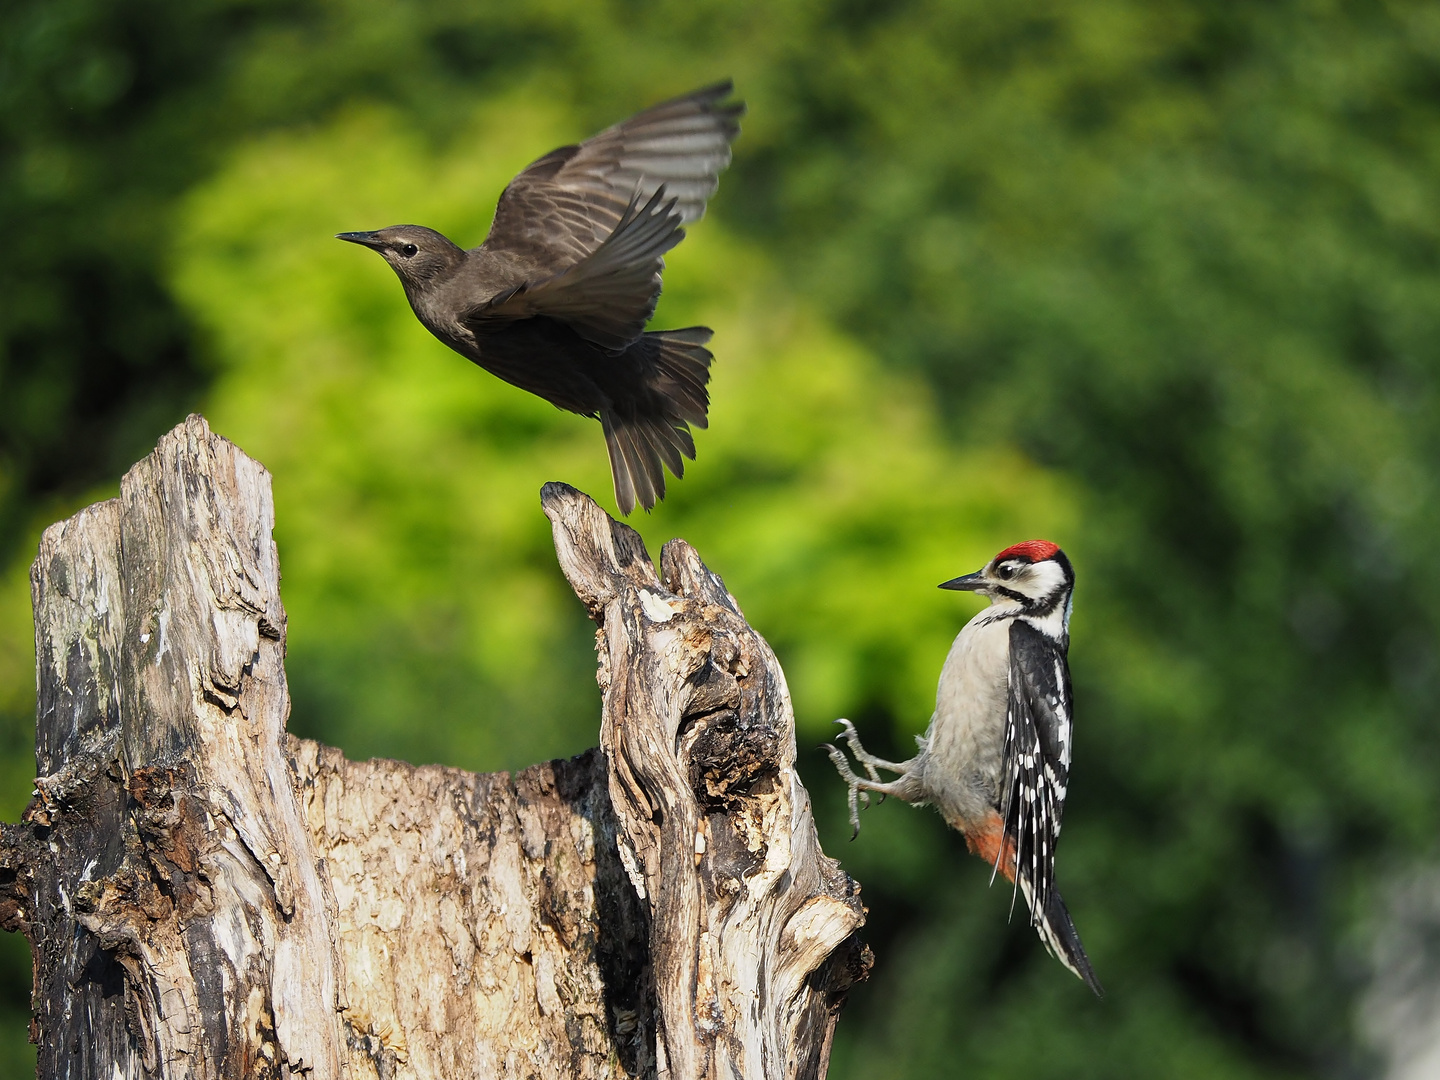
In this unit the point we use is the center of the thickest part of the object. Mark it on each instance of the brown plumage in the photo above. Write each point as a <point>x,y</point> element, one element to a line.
<point>556,299</point>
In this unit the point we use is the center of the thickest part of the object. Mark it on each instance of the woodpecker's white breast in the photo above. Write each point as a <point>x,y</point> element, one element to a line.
<point>966,739</point>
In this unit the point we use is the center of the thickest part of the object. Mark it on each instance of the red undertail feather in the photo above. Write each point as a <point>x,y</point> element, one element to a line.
<point>986,841</point>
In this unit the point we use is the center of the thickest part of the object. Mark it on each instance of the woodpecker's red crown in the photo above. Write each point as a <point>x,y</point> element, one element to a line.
<point>1034,550</point>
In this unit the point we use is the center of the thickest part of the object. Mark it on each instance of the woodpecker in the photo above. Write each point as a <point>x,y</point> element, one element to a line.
<point>556,299</point>
<point>996,758</point>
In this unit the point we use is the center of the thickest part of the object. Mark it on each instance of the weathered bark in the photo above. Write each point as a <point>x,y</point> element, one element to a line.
<point>486,924</point>
<point>178,910</point>
<point>205,898</point>
<point>715,826</point>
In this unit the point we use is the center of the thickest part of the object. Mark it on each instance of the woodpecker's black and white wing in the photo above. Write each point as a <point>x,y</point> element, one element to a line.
<point>1037,751</point>
<point>1038,740</point>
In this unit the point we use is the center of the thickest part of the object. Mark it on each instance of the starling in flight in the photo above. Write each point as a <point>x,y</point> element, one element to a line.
<point>556,299</point>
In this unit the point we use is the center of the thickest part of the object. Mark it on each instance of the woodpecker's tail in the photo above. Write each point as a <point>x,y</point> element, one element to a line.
<point>656,433</point>
<point>1058,933</point>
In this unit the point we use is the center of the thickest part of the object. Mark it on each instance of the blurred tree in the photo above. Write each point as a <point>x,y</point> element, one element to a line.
<point>1170,270</point>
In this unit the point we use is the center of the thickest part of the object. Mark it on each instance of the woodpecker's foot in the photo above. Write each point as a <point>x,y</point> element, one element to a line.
<point>853,782</point>
<point>867,759</point>
<point>861,787</point>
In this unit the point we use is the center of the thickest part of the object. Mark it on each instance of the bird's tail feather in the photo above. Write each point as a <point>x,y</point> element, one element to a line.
<point>1057,931</point>
<point>680,370</point>
<point>642,445</point>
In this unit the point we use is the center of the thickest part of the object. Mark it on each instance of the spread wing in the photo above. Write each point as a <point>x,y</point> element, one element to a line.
<point>1037,756</point>
<point>608,296</point>
<point>598,217</point>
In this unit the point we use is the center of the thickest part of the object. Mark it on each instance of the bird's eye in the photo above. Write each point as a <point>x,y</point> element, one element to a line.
<point>408,250</point>
<point>1005,571</point>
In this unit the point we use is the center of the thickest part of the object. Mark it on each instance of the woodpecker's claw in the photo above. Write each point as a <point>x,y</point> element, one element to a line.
<point>854,794</point>
<point>867,759</point>
<point>850,735</point>
<point>903,787</point>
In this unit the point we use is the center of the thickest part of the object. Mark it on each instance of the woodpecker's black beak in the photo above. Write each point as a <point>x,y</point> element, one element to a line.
<point>968,583</point>
<point>364,239</point>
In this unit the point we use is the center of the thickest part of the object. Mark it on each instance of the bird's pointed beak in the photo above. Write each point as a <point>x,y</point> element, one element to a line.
<point>365,239</point>
<point>968,583</point>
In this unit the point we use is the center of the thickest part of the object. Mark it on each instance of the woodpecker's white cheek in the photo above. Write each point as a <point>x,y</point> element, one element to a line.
<point>1044,579</point>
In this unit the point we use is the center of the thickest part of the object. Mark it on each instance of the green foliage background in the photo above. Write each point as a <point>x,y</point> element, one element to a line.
<point>1160,281</point>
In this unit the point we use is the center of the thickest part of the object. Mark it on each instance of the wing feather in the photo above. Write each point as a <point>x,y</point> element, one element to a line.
<point>595,220</point>
<point>608,296</point>
<point>1036,757</point>
<point>683,144</point>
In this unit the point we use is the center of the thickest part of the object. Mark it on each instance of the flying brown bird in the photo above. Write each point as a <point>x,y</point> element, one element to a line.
<point>556,299</point>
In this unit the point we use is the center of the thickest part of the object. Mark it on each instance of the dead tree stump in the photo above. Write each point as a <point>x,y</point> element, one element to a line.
<point>207,897</point>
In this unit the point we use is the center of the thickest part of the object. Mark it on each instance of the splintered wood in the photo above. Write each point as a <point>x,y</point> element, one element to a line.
<point>715,826</point>
<point>206,897</point>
